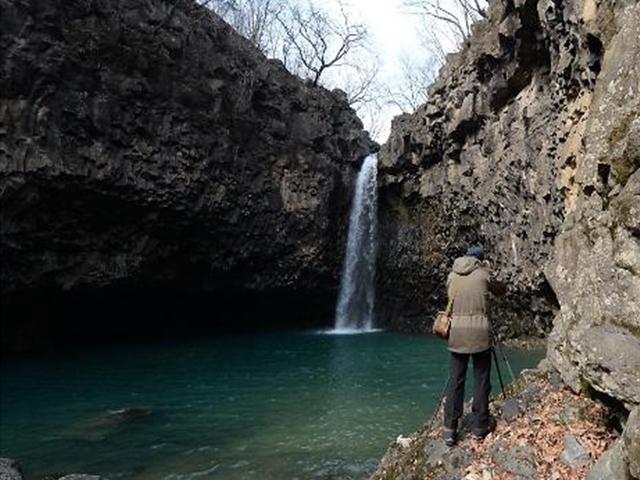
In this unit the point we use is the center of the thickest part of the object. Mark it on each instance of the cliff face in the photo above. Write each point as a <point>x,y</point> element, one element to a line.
<point>595,267</point>
<point>145,144</point>
<point>492,157</point>
<point>530,144</point>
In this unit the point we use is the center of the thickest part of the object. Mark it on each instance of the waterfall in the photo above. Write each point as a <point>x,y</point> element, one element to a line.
<point>354,312</point>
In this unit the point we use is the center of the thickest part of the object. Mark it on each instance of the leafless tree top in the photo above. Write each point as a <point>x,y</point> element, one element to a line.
<point>456,16</point>
<point>318,41</point>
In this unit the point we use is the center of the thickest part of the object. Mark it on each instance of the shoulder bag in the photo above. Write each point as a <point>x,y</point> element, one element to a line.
<point>442,322</point>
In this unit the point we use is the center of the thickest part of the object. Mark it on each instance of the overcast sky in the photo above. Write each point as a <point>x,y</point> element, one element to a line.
<point>394,33</point>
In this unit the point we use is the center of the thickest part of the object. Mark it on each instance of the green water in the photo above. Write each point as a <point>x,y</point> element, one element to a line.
<point>264,406</point>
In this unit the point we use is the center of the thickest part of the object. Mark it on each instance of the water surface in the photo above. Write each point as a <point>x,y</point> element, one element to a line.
<point>265,406</point>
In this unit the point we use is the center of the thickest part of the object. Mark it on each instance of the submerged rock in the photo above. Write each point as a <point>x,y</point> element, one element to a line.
<point>81,476</point>
<point>125,414</point>
<point>105,424</point>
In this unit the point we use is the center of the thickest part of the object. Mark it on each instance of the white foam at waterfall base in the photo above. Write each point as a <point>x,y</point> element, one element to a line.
<point>348,331</point>
<point>354,311</point>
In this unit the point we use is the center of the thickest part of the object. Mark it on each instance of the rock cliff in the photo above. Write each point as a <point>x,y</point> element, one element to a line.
<point>144,144</point>
<point>494,157</point>
<point>529,144</point>
<point>595,267</point>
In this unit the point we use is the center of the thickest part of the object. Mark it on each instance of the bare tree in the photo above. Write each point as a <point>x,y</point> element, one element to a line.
<point>315,42</point>
<point>221,7</point>
<point>455,17</point>
<point>253,19</point>
<point>411,90</point>
<point>374,118</point>
<point>358,78</point>
<point>435,41</point>
<point>328,49</point>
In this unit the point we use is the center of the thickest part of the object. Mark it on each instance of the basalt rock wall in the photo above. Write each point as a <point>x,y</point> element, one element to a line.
<point>144,144</point>
<point>595,266</point>
<point>530,145</point>
<point>491,158</point>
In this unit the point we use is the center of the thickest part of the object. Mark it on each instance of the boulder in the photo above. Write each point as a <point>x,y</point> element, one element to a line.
<point>510,409</point>
<point>437,454</point>
<point>10,470</point>
<point>519,462</point>
<point>574,454</point>
<point>631,442</point>
<point>611,465</point>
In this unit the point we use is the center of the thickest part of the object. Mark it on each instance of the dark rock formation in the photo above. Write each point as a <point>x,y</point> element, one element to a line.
<point>529,144</point>
<point>490,158</point>
<point>144,144</point>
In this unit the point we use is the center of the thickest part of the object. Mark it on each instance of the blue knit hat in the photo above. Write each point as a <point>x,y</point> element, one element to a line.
<point>475,251</point>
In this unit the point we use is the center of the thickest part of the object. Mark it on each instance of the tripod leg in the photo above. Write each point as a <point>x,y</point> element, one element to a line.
<point>439,406</point>
<point>495,358</point>
<point>506,361</point>
<point>502,354</point>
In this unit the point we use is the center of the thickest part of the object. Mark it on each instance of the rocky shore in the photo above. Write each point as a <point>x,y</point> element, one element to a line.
<point>543,431</point>
<point>11,470</point>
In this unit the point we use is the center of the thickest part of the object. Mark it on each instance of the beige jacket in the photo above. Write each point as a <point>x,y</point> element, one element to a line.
<point>468,284</point>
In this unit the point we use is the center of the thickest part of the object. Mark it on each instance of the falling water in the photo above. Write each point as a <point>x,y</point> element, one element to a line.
<point>354,312</point>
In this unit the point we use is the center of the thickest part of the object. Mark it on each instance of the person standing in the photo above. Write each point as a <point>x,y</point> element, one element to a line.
<point>468,286</point>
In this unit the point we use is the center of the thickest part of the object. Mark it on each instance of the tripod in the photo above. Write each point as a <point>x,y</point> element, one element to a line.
<point>498,347</point>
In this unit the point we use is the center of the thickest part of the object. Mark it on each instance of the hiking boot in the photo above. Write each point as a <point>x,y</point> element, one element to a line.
<point>480,433</point>
<point>449,437</point>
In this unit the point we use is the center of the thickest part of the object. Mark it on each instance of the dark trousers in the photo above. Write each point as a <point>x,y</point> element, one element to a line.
<point>454,402</point>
